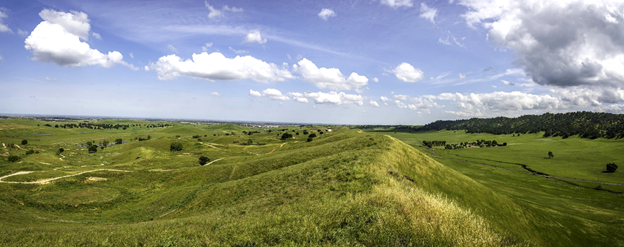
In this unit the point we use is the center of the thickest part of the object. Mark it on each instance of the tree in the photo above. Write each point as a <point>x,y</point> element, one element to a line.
<point>105,143</point>
<point>24,142</point>
<point>176,146</point>
<point>14,158</point>
<point>60,151</point>
<point>92,149</point>
<point>550,155</point>
<point>611,167</point>
<point>310,139</point>
<point>118,141</point>
<point>286,136</point>
<point>203,160</point>
<point>312,135</point>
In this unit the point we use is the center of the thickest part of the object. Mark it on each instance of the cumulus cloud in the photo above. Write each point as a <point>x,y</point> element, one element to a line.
<point>427,12</point>
<point>326,13</point>
<point>384,98</point>
<point>299,97</point>
<point>421,104</point>
<point>274,94</point>
<point>335,98</point>
<point>557,43</point>
<point>254,93</point>
<point>615,109</point>
<point>375,79</point>
<point>487,104</point>
<point>3,15</point>
<point>508,83</point>
<point>96,35</point>
<point>397,3</point>
<point>57,39</point>
<point>214,13</point>
<point>215,66</point>
<point>255,36</point>
<point>330,78</point>
<point>407,73</point>
<point>374,103</point>
<point>215,94</point>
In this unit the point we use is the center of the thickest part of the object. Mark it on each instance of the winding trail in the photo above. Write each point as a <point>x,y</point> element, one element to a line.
<point>529,170</point>
<point>213,161</point>
<point>51,179</point>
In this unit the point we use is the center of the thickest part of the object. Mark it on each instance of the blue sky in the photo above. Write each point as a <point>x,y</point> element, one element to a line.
<point>345,62</point>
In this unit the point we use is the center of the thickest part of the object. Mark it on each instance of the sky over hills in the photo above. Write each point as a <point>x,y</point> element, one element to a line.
<point>351,62</point>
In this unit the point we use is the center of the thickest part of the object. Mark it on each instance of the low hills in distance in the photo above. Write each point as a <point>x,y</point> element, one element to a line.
<point>112,182</point>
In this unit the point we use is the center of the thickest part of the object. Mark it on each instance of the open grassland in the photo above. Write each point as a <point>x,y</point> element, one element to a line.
<point>566,211</point>
<point>345,187</point>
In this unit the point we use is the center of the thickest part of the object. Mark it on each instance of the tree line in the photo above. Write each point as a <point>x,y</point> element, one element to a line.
<point>590,125</point>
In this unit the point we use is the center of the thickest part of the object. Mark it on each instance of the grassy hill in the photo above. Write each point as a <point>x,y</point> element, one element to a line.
<point>346,187</point>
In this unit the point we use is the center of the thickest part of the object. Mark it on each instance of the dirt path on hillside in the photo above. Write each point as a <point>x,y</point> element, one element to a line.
<point>213,161</point>
<point>51,179</point>
<point>529,170</point>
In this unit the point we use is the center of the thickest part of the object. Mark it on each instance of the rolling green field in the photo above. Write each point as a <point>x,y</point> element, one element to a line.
<point>345,187</point>
<point>574,210</point>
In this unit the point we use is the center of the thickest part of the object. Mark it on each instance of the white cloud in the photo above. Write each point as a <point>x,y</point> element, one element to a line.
<point>558,43</point>
<point>615,109</point>
<point>22,32</point>
<point>489,104</point>
<point>1,58</point>
<point>384,98</point>
<point>407,73</point>
<point>50,79</point>
<point>330,78</point>
<point>215,66</point>
<point>335,98</point>
<point>232,9</point>
<point>375,79</point>
<point>397,3</point>
<point>57,40</point>
<point>255,36</point>
<point>427,12</point>
<point>274,94</point>
<point>326,13</point>
<point>206,46</point>
<point>3,14</point>
<point>299,97</point>
<point>462,76</point>
<point>508,83</point>
<point>172,48</point>
<point>96,35</point>
<point>254,93</point>
<point>214,13</point>
<point>146,68</point>
<point>374,103</point>
<point>238,51</point>
<point>131,55</point>
<point>215,94</point>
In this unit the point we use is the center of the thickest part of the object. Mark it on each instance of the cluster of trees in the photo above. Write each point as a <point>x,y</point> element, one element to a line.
<point>480,143</point>
<point>106,126</point>
<point>145,139</point>
<point>176,146</point>
<point>584,124</point>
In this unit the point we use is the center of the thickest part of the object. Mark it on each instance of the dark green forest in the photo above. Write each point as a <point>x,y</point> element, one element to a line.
<point>590,125</point>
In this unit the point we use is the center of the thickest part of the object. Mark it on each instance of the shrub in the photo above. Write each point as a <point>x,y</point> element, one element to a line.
<point>176,146</point>
<point>14,158</point>
<point>611,167</point>
<point>92,149</point>
<point>24,142</point>
<point>310,139</point>
<point>286,136</point>
<point>312,135</point>
<point>203,160</point>
<point>30,152</point>
<point>118,141</point>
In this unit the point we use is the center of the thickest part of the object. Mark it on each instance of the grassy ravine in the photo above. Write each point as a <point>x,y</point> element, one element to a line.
<point>346,187</point>
<point>566,213</point>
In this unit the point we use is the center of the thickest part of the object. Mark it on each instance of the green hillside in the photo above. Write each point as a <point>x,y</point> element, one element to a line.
<point>345,187</point>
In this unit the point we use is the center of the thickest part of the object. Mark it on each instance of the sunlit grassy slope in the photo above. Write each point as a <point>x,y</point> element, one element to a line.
<point>346,187</point>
